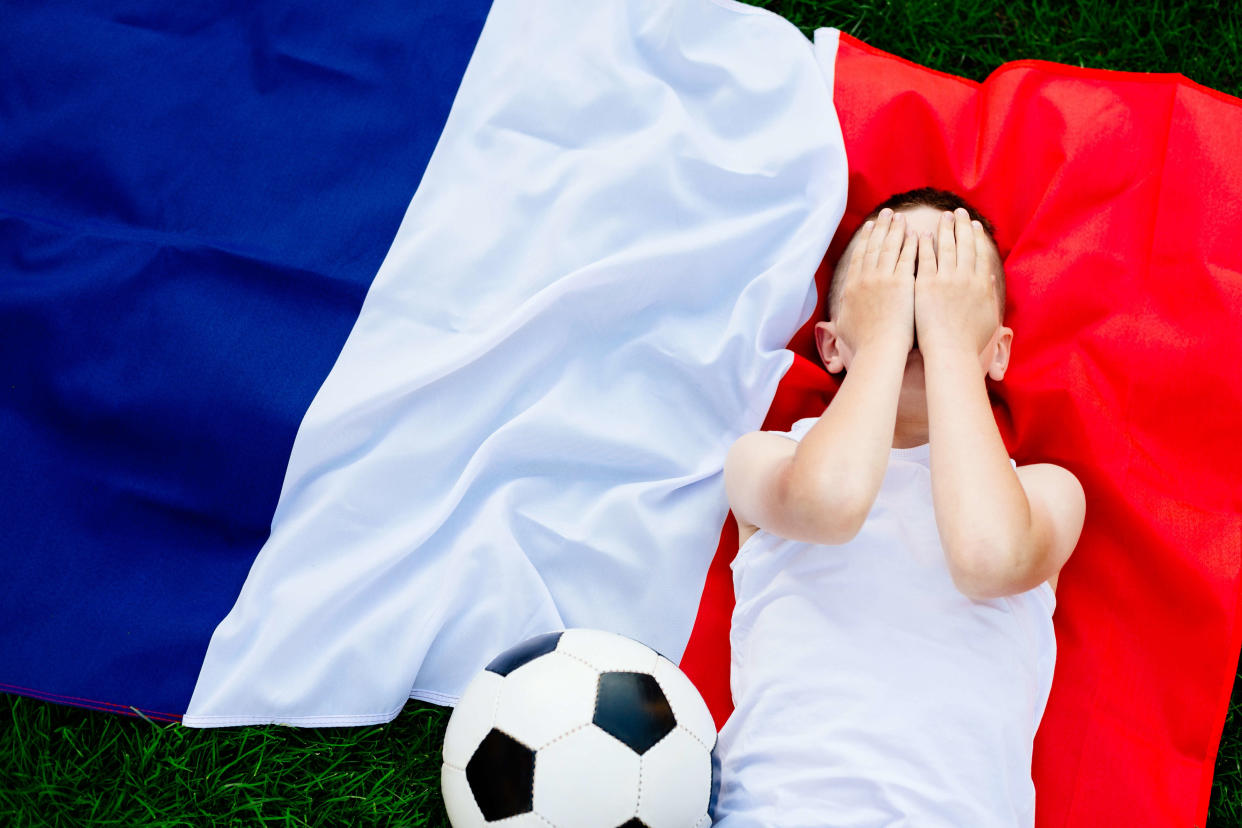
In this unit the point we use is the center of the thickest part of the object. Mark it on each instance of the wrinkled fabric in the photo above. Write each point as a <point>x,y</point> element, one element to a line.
<point>194,200</point>
<point>586,303</point>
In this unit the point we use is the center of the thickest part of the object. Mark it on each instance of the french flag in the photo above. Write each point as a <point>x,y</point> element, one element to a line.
<point>346,345</point>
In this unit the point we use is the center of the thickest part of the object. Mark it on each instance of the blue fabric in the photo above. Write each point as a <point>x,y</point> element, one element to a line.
<point>194,199</point>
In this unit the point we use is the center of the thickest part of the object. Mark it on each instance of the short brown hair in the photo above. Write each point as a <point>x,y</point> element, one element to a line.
<point>922,197</point>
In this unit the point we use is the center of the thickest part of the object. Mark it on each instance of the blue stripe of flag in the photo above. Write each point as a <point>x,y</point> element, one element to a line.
<point>194,198</point>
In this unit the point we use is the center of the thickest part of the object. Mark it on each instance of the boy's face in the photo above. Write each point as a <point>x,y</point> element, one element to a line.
<point>837,353</point>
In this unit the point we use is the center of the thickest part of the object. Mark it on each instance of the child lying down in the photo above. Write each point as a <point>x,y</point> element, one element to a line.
<point>892,639</point>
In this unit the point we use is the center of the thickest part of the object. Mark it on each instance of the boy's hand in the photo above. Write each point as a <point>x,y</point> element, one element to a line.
<point>955,292</point>
<point>877,300</point>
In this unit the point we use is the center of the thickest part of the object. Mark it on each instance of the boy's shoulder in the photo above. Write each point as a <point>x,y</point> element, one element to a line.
<point>1049,477</point>
<point>1058,503</point>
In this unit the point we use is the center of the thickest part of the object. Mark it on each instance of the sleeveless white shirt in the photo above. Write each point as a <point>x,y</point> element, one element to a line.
<point>868,690</point>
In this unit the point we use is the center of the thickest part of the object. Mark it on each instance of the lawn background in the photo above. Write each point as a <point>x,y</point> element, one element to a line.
<point>69,766</point>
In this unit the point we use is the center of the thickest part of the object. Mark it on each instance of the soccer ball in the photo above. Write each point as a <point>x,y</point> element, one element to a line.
<point>578,729</point>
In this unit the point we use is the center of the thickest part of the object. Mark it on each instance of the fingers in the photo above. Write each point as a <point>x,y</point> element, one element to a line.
<point>964,236</point>
<point>893,243</point>
<point>860,251</point>
<point>909,248</point>
<point>983,258</point>
<point>947,257</point>
<point>879,242</point>
<point>927,255</point>
<point>879,235</point>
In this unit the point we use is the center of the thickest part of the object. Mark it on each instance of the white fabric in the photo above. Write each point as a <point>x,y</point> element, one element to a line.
<point>587,301</point>
<point>869,691</point>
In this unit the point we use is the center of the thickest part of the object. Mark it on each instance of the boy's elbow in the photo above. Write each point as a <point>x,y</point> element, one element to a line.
<point>844,529</point>
<point>830,518</point>
<point>993,575</point>
<point>832,530</point>
<point>976,588</point>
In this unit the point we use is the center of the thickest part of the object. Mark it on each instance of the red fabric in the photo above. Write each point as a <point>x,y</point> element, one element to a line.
<point>1117,199</point>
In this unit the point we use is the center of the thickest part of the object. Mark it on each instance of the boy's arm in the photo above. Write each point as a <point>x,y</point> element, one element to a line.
<point>1003,531</point>
<point>821,489</point>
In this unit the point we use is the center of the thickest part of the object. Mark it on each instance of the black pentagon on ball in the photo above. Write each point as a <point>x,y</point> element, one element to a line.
<point>633,822</point>
<point>632,708</point>
<point>525,652</point>
<point>501,774</point>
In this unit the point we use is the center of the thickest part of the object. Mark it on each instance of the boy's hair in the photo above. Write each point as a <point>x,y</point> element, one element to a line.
<point>922,197</point>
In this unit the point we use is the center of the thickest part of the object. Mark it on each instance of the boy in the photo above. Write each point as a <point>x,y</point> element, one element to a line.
<point>892,640</point>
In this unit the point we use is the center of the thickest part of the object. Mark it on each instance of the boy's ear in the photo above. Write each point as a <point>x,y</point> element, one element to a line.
<point>998,363</point>
<point>829,344</point>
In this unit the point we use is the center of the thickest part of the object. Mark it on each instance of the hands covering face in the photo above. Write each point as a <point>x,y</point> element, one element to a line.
<point>952,303</point>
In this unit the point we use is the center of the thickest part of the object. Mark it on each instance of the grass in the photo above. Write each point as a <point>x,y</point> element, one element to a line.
<point>73,767</point>
<point>1201,39</point>
<point>66,766</point>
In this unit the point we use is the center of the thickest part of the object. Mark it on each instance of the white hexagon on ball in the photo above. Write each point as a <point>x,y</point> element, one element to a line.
<point>472,719</point>
<point>458,799</point>
<point>546,698</point>
<point>683,697</point>
<point>675,781</point>
<point>586,780</point>
<point>606,651</point>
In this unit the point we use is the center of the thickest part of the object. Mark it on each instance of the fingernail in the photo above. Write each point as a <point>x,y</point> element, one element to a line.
<point>885,213</point>
<point>869,225</point>
<point>977,225</point>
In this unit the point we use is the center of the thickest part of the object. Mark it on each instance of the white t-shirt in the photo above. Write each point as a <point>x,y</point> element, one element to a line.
<point>868,690</point>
